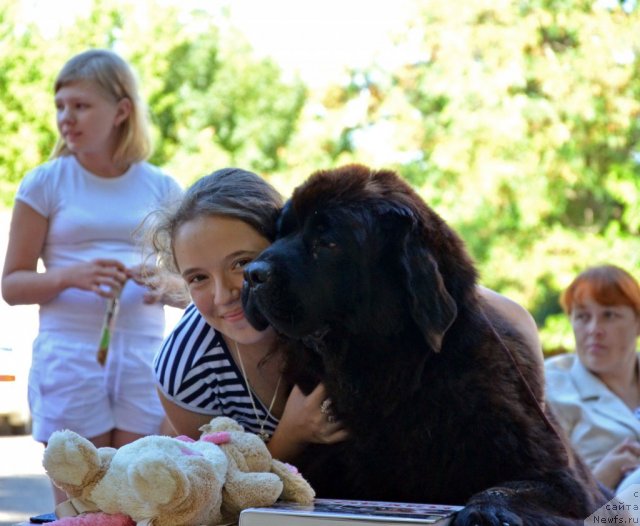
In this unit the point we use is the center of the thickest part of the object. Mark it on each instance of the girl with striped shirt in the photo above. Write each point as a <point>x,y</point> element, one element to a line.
<point>214,362</point>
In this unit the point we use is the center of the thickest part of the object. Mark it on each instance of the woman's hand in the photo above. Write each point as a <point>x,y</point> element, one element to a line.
<point>305,420</point>
<point>23,284</point>
<point>105,277</point>
<point>618,463</point>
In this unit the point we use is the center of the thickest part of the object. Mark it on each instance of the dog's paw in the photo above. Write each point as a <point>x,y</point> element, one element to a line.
<point>486,515</point>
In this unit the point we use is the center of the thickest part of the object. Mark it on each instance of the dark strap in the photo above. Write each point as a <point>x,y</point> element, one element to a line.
<point>536,402</point>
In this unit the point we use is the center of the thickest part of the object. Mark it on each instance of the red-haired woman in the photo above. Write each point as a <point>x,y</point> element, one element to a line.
<point>595,392</point>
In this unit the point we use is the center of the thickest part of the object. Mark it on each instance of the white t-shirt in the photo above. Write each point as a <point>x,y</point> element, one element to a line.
<point>96,217</point>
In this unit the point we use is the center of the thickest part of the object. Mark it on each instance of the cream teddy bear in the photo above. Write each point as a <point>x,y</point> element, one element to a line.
<point>252,470</point>
<point>163,481</point>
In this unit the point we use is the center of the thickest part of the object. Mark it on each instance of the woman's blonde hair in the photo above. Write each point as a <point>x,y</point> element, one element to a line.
<point>605,284</point>
<point>115,78</point>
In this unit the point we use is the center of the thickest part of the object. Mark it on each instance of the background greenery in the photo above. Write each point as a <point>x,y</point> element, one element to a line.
<point>517,120</point>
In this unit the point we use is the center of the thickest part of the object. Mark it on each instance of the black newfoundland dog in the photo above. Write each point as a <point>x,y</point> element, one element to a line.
<point>377,298</point>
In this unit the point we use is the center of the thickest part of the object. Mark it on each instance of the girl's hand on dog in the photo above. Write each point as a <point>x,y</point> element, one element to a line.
<point>322,425</point>
<point>304,421</point>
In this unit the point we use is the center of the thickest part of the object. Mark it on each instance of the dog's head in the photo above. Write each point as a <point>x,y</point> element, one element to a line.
<point>357,251</point>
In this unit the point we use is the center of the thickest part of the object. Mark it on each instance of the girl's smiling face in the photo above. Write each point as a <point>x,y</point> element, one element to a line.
<point>211,253</point>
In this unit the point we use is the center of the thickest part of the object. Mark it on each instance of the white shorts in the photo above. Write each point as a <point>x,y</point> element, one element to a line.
<point>69,389</point>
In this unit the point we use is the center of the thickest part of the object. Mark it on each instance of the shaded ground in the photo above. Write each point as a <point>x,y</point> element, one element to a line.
<point>24,488</point>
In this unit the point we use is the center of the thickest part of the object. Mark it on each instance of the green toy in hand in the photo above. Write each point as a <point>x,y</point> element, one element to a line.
<point>107,328</point>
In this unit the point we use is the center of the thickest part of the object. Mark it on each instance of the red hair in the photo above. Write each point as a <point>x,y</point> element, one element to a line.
<point>605,284</point>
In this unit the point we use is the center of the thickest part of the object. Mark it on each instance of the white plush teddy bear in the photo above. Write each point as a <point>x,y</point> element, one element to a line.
<point>167,481</point>
<point>252,470</point>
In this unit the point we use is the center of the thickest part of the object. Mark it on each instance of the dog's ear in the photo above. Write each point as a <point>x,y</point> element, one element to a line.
<point>432,307</point>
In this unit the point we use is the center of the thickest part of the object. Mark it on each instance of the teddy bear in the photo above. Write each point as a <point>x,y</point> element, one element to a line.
<point>250,464</point>
<point>166,481</point>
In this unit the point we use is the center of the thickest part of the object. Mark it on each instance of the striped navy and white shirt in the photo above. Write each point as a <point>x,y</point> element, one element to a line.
<point>195,370</point>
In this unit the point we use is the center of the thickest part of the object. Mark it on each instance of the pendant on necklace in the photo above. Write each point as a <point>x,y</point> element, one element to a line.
<point>264,436</point>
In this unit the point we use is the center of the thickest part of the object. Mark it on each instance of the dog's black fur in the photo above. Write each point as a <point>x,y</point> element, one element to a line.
<point>377,297</point>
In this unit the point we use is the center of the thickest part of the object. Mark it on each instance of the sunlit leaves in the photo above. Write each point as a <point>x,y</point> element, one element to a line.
<point>531,109</point>
<point>517,120</point>
<point>213,102</point>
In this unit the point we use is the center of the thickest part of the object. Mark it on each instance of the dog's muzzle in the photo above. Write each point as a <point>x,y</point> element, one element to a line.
<point>256,275</point>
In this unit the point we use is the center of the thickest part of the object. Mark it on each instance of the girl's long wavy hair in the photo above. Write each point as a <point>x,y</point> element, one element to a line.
<point>229,192</point>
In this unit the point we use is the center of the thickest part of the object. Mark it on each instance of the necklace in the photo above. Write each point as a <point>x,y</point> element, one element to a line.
<point>262,433</point>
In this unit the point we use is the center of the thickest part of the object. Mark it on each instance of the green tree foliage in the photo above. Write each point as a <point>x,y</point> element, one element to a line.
<point>212,101</point>
<point>23,72</point>
<point>517,120</point>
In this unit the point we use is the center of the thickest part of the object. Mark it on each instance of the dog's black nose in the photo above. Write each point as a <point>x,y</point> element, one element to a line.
<point>257,273</point>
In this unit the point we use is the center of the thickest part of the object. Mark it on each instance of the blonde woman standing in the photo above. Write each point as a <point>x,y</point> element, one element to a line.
<point>79,212</point>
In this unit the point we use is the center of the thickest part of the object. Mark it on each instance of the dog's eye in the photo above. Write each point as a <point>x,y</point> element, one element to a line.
<point>322,244</point>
